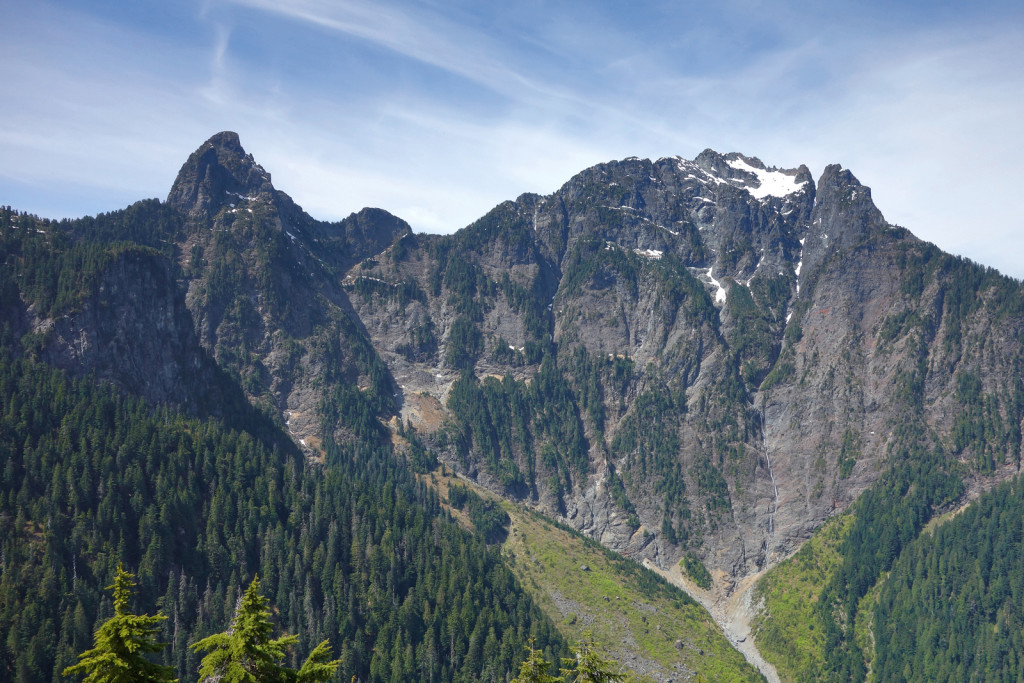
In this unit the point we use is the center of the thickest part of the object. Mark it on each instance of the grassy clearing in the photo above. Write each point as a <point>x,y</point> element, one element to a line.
<point>788,631</point>
<point>645,622</point>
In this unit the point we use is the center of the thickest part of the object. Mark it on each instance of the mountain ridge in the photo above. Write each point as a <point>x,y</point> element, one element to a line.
<point>702,358</point>
<point>580,266</point>
<point>729,241</point>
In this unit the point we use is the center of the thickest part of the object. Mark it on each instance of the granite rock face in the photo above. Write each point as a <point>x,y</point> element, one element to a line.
<point>216,174</point>
<point>793,328</point>
<point>230,295</point>
<point>262,281</point>
<point>707,356</point>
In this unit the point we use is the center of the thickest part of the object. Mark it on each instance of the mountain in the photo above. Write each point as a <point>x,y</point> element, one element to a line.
<point>699,363</point>
<point>182,390</point>
<point>696,363</point>
<point>261,280</point>
<point>733,353</point>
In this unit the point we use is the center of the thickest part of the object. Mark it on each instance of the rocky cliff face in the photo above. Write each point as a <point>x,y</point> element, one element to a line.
<point>741,346</point>
<point>133,329</point>
<point>217,174</point>
<point>226,293</point>
<point>707,356</point>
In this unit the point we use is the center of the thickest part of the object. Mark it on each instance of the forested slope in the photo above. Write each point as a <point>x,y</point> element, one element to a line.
<point>952,608</point>
<point>197,499</point>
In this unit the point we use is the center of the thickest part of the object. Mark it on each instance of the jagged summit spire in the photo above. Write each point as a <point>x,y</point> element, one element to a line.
<point>218,169</point>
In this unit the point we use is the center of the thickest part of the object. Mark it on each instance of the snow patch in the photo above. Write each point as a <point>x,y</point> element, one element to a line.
<point>720,290</point>
<point>691,169</point>
<point>760,261</point>
<point>799,266</point>
<point>649,253</point>
<point>770,183</point>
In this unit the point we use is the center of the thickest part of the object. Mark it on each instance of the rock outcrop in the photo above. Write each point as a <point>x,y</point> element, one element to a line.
<point>133,329</point>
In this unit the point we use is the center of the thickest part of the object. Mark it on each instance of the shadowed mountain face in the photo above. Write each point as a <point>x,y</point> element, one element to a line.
<point>673,356</point>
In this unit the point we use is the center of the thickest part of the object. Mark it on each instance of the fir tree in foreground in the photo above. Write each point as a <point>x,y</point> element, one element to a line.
<point>245,653</point>
<point>122,643</point>
<point>535,668</point>
<point>588,664</point>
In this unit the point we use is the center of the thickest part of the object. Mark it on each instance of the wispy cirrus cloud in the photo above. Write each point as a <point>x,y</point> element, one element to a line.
<point>438,111</point>
<point>416,32</point>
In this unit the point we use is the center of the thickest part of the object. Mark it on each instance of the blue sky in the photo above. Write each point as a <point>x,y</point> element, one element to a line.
<point>437,111</point>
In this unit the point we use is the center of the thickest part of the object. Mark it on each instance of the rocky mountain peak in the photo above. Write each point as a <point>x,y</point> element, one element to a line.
<point>712,161</point>
<point>839,188</point>
<point>752,175</point>
<point>374,229</point>
<point>844,214</point>
<point>219,172</point>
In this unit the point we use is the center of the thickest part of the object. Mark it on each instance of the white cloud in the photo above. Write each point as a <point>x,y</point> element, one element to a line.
<point>422,35</point>
<point>437,114</point>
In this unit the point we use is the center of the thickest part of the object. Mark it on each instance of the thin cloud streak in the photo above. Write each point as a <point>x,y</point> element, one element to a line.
<point>475,116</point>
<point>425,38</point>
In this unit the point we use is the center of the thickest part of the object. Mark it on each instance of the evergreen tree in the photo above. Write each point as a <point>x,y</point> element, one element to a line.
<point>588,664</point>
<point>318,666</point>
<point>121,644</point>
<point>245,653</point>
<point>535,668</point>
